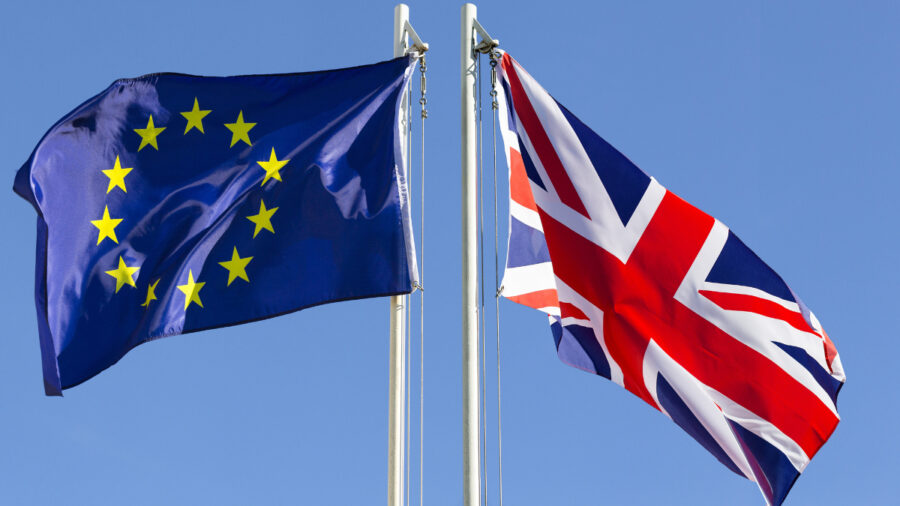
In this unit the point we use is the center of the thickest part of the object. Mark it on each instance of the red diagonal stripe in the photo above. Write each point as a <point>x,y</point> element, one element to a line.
<point>519,186</point>
<point>830,351</point>
<point>537,300</point>
<point>541,143</point>
<point>570,311</point>
<point>749,303</point>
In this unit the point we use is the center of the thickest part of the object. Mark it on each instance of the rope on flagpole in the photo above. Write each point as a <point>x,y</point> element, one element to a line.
<point>408,298</point>
<point>495,106</point>
<point>422,102</point>
<point>483,379</point>
<point>473,179</point>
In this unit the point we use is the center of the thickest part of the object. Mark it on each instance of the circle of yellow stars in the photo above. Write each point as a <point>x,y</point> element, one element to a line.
<point>236,266</point>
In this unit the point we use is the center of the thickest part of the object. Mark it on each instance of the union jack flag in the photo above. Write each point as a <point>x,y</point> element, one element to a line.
<point>659,297</point>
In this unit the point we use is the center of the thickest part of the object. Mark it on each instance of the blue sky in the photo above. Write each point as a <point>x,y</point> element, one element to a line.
<point>780,120</point>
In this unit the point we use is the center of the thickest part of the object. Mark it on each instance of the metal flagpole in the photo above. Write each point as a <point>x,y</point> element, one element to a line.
<point>397,396</point>
<point>399,303</point>
<point>471,457</point>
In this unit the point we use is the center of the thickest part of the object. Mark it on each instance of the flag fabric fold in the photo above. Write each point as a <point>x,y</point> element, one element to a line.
<point>171,203</point>
<point>650,292</point>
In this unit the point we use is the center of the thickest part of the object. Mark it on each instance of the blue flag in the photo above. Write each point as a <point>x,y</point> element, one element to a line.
<point>170,203</point>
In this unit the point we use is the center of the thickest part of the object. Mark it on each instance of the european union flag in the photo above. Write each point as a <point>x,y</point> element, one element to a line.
<point>170,203</point>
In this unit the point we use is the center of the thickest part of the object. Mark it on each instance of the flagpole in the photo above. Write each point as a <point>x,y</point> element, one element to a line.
<point>397,396</point>
<point>471,456</point>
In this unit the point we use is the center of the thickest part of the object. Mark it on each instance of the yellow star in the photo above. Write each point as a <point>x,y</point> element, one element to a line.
<point>107,226</point>
<point>272,167</point>
<point>236,267</point>
<point>191,291</point>
<point>148,135</point>
<point>239,130</point>
<point>123,275</point>
<point>263,220</point>
<point>151,294</point>
<point>116,176</point>
<point>195,117</point>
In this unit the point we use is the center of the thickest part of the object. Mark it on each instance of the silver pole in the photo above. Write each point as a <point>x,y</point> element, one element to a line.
<point>471,477</point>
<point>397,396</point>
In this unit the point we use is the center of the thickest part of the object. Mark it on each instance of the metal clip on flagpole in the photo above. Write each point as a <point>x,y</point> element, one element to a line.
<point>468,48</point>
<point>397,395</point>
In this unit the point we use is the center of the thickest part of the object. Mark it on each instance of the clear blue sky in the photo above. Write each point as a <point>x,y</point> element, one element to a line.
<point>780,120</point>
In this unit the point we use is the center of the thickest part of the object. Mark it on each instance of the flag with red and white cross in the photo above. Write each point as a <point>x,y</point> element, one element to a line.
<point>654,294</point>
